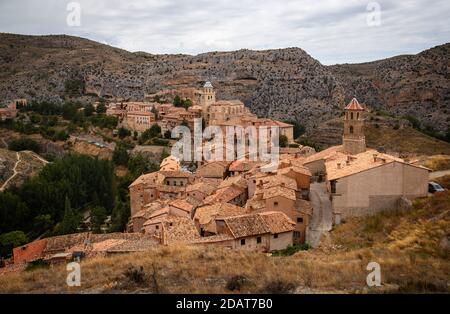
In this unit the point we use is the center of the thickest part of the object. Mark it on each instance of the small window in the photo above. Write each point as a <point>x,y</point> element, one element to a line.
<point>275,204</point>
<point>156,227</point>
<point>258,240</point>
<point>243,242</point>
<point>275,236</point>
<point>181,183</point>
<point>300,219</point>
<point>170,224</point>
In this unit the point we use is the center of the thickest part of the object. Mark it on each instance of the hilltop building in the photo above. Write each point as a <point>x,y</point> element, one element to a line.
<point>139,116</point>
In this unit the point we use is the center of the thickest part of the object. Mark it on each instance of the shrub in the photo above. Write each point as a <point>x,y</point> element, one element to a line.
<point>24,144</point>
<point>292,249</point>
<point>135,275</point>
<point>279,287</point>
<point>235,283</point>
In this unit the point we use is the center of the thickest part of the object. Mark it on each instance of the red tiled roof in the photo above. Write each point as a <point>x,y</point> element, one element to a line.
<point>354,105</point>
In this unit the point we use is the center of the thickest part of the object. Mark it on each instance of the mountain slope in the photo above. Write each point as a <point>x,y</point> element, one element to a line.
<point>415,85</point>
<point>284,83</point>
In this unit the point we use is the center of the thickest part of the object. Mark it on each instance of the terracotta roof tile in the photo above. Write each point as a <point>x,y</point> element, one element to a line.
<point>354,105</point>
<point>279,191</point>
<point>206,214</point>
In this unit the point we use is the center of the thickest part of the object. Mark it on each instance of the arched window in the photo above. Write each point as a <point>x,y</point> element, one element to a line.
<point>351,129</point>
<point>351,116</point>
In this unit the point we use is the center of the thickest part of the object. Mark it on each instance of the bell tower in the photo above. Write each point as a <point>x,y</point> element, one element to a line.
<point>208,96</point>
<point>353,139</point>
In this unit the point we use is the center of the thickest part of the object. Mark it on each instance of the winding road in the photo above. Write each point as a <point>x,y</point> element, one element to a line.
<point>14,174</point>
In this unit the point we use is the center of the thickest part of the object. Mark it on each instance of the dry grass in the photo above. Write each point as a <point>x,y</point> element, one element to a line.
<point>443,181</point>
<point>407,140</point>
<point>406,245</point>
<point>438,162</point>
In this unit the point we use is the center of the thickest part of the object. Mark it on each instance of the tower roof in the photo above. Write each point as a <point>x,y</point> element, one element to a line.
<point>354,105</point>
<point>208,84</point>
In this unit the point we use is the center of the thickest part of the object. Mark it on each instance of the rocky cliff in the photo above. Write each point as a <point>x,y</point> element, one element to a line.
<point>286,84</point>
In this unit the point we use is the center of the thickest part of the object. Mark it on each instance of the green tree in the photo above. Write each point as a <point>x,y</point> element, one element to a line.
<point>299,129</point>
<point>89,110</point>
<point>120,155</point>
<point>24,144</point>
<point>139,164</point>
<point>101,107</point>
<point>42,224</point>
<point>119,216</point>
<point>10,240</point>
<point>153,131</point>
<point>283,141</point>
<point>164,154</point>
<point>177,101</point>
<point>123,132</point>
<point>167,134</point>
<point>70,222</point>
<point>98,217</point>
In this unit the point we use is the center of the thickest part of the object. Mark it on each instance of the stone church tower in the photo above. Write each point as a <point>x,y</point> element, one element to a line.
<point>354,140</point>
<point>207,97</point>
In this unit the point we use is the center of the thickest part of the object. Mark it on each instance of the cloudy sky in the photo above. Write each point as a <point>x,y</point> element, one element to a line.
<point>332,31</point>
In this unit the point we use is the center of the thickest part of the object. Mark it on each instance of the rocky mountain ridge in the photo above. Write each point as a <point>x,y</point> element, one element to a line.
<point>285,84</point>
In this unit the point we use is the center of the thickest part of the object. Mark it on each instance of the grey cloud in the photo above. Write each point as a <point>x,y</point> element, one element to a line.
<point>331,31</point>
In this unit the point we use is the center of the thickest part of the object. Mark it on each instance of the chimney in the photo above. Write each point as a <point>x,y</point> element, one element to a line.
<point>339,165</point>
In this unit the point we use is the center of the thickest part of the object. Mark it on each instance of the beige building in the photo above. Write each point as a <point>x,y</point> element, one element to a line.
<point>363,181</point>
<point>139,121</point>
<point>370,182</point>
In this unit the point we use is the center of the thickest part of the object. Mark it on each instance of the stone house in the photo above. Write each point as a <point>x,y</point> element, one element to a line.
<point>264,232</point>
<point>205,215</point>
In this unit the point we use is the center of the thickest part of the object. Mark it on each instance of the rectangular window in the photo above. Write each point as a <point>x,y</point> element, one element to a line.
<point>258,240</point>
<point>275,236</point>
<point>297,234</point>
<point>243,242</point>
<point>275,204</point>
<point>300,219</point>
<point>156,227</point>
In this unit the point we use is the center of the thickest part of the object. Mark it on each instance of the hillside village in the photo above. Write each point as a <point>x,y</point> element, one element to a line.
<point>237,204</point>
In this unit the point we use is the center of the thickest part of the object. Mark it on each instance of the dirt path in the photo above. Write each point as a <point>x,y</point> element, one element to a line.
<point>322,219</point>
<point>438,174</point>
<point>4,143</point>
<point>40,158</point>
<point>14,174</point>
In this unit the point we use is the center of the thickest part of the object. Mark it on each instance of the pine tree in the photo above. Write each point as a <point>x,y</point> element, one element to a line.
<point>69,223</point>
<point>98,217</point>
<point>119,216</point>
